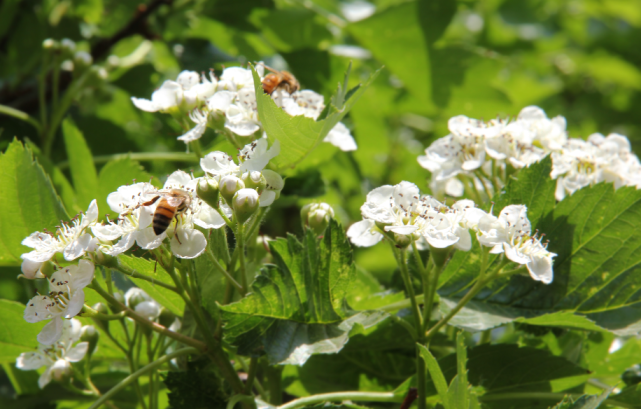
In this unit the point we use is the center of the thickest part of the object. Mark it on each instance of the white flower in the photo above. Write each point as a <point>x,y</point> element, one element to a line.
<point>550,133</point>
<point>578,164</point>
<point>65,300</point>
<point>236,78</point>
<point>242,116</point>
<point>220,101</point>
<point>514,143</point>
<point>133,227</point>
<point>511,233</point>
<point>70,240</point>
<point>128,197</point>
<point>305,102</point>
<point>56,357</point>
<point>200,118</point>
<point>219,164</point>
<point>255,156</point>
<point>443,227</point>
<point>166,98</point>
<point>340,137</point>
<point>275,184</point>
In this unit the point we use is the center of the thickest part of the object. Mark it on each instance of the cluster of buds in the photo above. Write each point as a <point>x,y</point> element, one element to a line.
<point>71,59</point>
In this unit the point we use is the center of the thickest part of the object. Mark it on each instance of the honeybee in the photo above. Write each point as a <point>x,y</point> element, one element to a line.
<point>172,203</point>
<point>280,80</point>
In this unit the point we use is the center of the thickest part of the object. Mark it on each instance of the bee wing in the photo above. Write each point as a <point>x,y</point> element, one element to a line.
<point>175,201</point>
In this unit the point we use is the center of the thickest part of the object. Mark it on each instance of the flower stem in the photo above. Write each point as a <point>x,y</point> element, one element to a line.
<point>153,365</point>
<point>134,274</point>
<point>342,396</point>
<point>240,242</point>
<point>20,115</point>
<point>224,272</point>
<point>147,323</point>
<point>251,375</point>
<point>402,263</point>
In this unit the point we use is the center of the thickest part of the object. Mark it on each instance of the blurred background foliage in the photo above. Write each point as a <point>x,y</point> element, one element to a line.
<point>441,58</point>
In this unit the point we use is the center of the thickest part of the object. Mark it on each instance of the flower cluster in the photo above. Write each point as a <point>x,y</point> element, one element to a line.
<point>57,357</point>
<point>402,214</point>
<point>229,102</point>
<point>483,150</point>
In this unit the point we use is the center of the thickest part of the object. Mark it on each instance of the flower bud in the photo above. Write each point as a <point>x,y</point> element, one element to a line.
<point>254,180</point>
<point>90,335</point>
<point>166,318</point>
<point>229,185</point>
<point>102,259</point>
<point>82,60</point>
<point>135,296</point>
<point>402,240</point>
<point>317,216</point>
<point>245,203</point>
<point>67,46</point>
<point>208,192</point>
<point>148,309</point>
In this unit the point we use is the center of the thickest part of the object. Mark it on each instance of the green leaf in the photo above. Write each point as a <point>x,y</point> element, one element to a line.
<point>438,379</point>
<point>30,201</point>
<point>298,135</point>
<point>630,395</point>
<point>292,28</point>
<point>83,171</point>
<point>16,334</point>
<point>117,173</point>
<point>197,387</point>
<point>165,297</point>
<point>584,402</point>
<point>401,37</point>
<point>297,307</point>
<point>532,187</point>
<point>596,273</point>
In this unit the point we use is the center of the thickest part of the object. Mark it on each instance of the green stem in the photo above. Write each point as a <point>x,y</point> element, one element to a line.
<point>273,374</point>
<point>421,373</point>
<point>157,363</point>
<point>147,323</point>
<point>251,375</point>
<point>91,313</point>
<point>195,146</point>
<point>342,396</point>
<point>532,396</point>
<point>108,280</point>
<point>224,272</point>
<point>60,112</point>
<point>399,305</point>
<point>240,241</point>
<point>134,274</point>
<point>20,115</point>
<point>140,156</point>
<point>228,222</point>
<point>402,263</point>
<point>430,290</point>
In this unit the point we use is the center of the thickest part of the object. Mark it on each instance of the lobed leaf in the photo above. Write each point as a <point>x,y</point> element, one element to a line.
<point>297,307</point>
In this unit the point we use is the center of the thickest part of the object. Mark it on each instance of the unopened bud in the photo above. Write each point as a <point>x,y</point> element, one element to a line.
<point>82,59</point>
<point>208,191</point>
<point>148,309</point>
<point>166,317</point>
<point>254,180</point>
<point>317,216</point>
<point>244,204</point>
<point>135,296</point>
<point>91,336</point>
<point>402,240</point>
<point>229,185</point>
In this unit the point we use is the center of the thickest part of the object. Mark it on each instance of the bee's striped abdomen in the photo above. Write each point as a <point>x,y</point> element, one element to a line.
<point>163,216</point>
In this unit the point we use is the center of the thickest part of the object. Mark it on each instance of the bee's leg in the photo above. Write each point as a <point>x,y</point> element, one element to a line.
<point>175,229</point>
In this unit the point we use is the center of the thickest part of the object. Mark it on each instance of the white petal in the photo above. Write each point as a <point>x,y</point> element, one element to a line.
<point>194,134</point>
<point>540,269</point>
<point>267,198</point>
<point>178,179</point>
<point>454,187</point>
<point>45,378</point>
<point>243,128</point>
<point>220,101</point>
<point>78,352</point>
<point>513,254</point>
<point>208,218</point>
<point>147,239</point>
<point>259,156</point>
<point>28,361</point>
<point>191,245</point>
<point>148,309</point>
<point>77,247</point>
<point>51,332</point>
<point>92,214</point>
<point>75,304</point>
<point>38,256</point>
<point>218,163</point>
<point>107,232</point>
<point>145,104</point>
<point>340,137</point>
<point>274,181</point>
<point>362,234</point>
<point>31,269</point>
<point>83,275</point>
<point>169,95</point>
<point>124,244</point>
<point>409,229</point>
<point>465,240</point>
<point>36,309</point>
